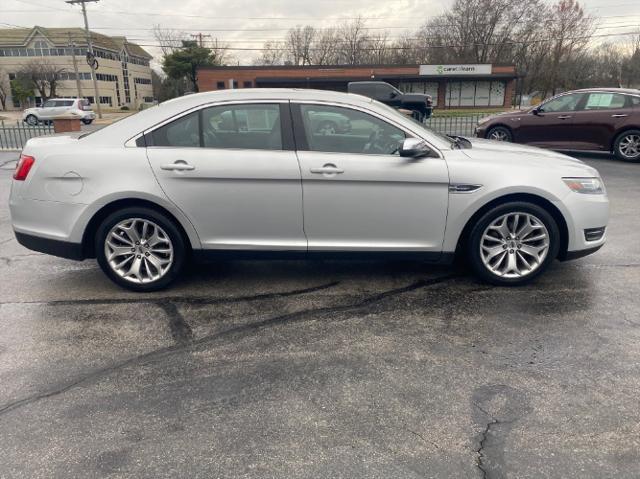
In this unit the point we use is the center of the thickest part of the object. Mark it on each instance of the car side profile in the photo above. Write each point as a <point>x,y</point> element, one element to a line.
<point>78,107</point>
<point>418,104</point>
<point>601,119</point>
<point>246,174</point>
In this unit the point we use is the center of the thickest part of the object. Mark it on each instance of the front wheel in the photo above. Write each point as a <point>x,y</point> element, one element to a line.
<point>87,121</point>
<point>627,146</point>
<point>140,249</point>
<point>32,120</point>
<point>500,133</point>
<point>513,243</point>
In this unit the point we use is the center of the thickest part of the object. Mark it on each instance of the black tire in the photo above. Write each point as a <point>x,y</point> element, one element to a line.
<point>31,120</point>
<point>500,133</point>
<point>87,122</point>
<point>478,230</point>
<point>171,230</point>
<point>620,154</point>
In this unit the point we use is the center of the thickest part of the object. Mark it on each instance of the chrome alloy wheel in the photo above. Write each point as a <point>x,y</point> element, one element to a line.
<point>629,146</point>
<point>138,250</point>
<point>498,135</point>
<point>514,245</point>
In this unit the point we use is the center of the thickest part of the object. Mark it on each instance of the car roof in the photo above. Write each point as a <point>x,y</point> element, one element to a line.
<point>627,91</point>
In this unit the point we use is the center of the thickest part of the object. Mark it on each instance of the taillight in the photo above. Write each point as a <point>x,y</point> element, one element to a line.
<point>24,166</point>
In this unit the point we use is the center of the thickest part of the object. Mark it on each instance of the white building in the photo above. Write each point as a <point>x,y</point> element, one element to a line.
<point>123,74</point>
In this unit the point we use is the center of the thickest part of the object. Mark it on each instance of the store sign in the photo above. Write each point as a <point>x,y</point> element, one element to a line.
<point>454,70</point>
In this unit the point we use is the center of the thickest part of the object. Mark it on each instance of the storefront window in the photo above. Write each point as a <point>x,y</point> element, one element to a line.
<point>474,93</point>
<point>428,88</point>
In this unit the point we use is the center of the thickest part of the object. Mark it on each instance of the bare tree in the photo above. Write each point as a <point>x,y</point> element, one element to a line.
<point>352,40</point>
<point>5,88</point>
<point>325,47</point>
<point>44,75</point>
<point>570,31</point>
<point>169,40</point>
<point>299,43</point>
<point>273,53</point>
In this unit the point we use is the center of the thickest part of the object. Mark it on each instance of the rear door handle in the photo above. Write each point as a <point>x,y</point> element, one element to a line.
<point>328,169</point>
<point>179,165</point>
<point>564,117</point>
<point>619,115</point>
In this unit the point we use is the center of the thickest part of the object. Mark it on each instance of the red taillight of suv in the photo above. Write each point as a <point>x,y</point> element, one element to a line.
<point>24,166</point>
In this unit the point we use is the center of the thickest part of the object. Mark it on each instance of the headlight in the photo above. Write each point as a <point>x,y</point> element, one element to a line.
<point>588,186</point>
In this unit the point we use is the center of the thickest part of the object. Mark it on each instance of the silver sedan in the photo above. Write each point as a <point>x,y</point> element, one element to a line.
<point>245,173</point>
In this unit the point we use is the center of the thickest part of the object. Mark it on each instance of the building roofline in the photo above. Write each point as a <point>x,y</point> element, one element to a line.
<point>323,67</point>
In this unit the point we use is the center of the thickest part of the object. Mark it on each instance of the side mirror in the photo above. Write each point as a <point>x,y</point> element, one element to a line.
<point>393,94</point>
<point>537,111</point>
<point>414,148</point>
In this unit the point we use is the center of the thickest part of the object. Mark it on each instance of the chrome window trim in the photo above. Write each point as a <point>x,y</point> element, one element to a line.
<point>131,142</point>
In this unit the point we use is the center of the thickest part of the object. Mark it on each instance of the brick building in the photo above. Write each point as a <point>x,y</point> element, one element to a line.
<point>451,86</point>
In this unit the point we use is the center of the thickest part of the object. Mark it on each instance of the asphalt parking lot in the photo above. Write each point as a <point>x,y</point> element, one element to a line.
<point>329,369</point>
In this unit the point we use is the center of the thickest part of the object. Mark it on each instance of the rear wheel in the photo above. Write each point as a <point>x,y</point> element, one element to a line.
<point>87,121</point>
<point>513,243</point>
<point>500,133</point>
<point>627,146</point>
<point>32,120</point>
<point>140,249</point>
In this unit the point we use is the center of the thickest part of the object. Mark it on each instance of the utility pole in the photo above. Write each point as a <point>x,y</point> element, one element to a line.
<point>72,44</point>
<point>90,46</point>
<point>199,36</point>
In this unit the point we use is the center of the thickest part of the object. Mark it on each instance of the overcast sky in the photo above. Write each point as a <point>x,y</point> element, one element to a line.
<point>247,23</point>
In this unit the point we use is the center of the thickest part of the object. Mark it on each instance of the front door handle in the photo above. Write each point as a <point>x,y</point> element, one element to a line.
<point>619,115</point>
<point>179,165</point>
<point>328,169</point>
<point>564,117</point>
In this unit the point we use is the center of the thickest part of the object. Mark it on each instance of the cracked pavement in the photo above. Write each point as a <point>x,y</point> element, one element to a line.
<point>324,369</point>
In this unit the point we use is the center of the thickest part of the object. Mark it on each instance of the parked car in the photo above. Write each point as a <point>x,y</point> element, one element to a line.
<point>606,119</point>
<point>421,105</point>
<point>169,184</point>
<point>78,107</point>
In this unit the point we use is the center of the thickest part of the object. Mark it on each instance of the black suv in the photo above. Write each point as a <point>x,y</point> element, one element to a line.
<point>420,105</point>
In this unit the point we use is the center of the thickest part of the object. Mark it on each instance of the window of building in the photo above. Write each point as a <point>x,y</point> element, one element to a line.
<point>142,81</point>
<point>342,130</point>
<point>248,84</point>
<point>90,99</point>
<point>148,99</point>
<point>183,132</point>
<point>106,77</point>
<point>242,127</point>
<point>106,100</point>
<point>220,85</point>
<point>475,93</point>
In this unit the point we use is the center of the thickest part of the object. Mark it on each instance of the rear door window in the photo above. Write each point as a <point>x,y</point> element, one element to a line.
<point>183,132</point>
<point>605,101</point>
<point>250,126</point>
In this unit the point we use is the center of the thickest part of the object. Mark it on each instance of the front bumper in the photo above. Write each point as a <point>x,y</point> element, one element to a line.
<point>584,214</point>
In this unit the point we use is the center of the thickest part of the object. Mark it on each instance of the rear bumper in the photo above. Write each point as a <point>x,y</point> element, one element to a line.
<point>63,249</point>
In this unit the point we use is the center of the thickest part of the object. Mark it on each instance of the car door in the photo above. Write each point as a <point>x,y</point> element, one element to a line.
<point>359,194</point>
<point>233,171</point>
<point>551,124</point>
<point>602,115</point>
<point>48,109</point>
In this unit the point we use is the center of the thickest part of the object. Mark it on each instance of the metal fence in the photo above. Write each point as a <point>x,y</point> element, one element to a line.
<point>454,125</point>
<point>13,136</point>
